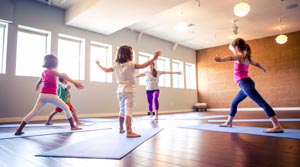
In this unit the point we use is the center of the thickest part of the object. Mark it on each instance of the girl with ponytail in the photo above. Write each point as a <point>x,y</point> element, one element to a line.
<point>242,59</point>
<point>152,90</point>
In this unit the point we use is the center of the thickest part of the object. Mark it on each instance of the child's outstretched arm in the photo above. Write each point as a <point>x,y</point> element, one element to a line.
<point>229,58</point>
<point>78,85</point>
<point>140,75</point>
<point>257,64</point>
<point>169,72</point>
<point>156,54</point>
<point>38,84</point>
<point>106,69</point>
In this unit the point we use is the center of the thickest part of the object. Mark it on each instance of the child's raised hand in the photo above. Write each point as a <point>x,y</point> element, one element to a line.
<point>217,58</point>
<point>78,85</point>
<point>156,54</point>
<point>97,62</point>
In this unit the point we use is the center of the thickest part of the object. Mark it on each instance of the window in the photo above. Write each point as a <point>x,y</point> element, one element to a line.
<point>143,57</point>
<point>3,46</point>
<point>190,76</point>
<point>163,64</point>
<point>71,56</point>
<point>103,53</point>
<point>32,45</point>
<point>178,80</point>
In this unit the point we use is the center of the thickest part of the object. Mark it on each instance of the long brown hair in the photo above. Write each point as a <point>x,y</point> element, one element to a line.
<point>124,54</point>
<point>242,46</point>
<point>154,71</point>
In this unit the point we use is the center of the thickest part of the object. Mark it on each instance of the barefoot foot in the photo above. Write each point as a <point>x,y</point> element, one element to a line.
<point>80,123</point>
<point>274,130</point>
<point>48,123</point>
<point>121,130</point>
<point>19,133</point>
<point>76,128</point>
<point>133,135</point>
<point>226,125</point>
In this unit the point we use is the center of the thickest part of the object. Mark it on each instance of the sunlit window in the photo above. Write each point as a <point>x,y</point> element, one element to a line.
<point>190,76</point>
<point>103,53</point>
<point>163,64</point>
<point>71,57</point>
<point>178,80</point>
<point>3,44</point>
<point>32,45</point>
<point>143,57</point>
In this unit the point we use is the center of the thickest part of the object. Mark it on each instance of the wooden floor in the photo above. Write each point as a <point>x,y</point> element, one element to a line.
<point>172,147</point>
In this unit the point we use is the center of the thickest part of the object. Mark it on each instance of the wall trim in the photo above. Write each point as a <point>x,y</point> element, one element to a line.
<point>257,109</point>
<point>101,115</point>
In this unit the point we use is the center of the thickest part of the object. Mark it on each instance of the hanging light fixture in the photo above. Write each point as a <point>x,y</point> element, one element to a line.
<point>281,39</point>
<point>241,9</point>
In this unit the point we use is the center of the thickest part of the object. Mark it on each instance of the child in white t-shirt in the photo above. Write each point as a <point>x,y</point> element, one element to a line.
<point>124,69</point>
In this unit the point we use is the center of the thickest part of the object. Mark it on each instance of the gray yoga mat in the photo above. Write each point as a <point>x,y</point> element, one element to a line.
<point>112,145</point>
<point>41,125</point>
<point>288,133</point>
<point>48,132</point>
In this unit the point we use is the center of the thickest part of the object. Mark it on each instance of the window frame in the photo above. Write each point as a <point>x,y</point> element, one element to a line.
<point>180,78</point>
<point>148,56</point>
<point>108,63</point>
<point>3,54</point>
<point>164,80</point>
<point>188,73</point>
<point>33,31</point>
<point>81,42</point>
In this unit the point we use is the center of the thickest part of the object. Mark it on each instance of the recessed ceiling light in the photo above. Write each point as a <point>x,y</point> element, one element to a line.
<point>182,27</point>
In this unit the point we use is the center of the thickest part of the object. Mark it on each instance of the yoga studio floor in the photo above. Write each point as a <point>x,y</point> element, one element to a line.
<point>173,146</point>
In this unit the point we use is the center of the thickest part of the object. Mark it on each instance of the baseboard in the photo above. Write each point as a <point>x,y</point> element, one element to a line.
<point>257,109</point>
<point>101,115</point>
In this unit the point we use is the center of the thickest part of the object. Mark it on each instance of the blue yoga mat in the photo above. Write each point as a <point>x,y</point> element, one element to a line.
<point>112,145</point>
<point>259,120</point>
<point>48,132</point>
<point>203,117</point>
<point>288,133</point>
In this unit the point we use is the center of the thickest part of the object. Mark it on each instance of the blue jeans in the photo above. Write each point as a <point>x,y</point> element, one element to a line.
<point>248,89</point>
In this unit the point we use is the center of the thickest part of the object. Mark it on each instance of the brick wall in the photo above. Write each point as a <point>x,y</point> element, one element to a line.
<point>279,85</point>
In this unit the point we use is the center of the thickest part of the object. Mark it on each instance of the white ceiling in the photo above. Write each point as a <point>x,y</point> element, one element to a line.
<point>212,19</point>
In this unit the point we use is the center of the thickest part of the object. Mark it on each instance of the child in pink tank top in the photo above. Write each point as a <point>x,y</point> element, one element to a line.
<point>242,59</point>
<point>240,71</point>
<point>48,93</point>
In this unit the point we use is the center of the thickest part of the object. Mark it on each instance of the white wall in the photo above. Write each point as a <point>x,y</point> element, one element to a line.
<point>97,99</point>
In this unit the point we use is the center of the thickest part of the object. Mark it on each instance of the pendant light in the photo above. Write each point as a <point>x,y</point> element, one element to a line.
<point>241,9</point>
